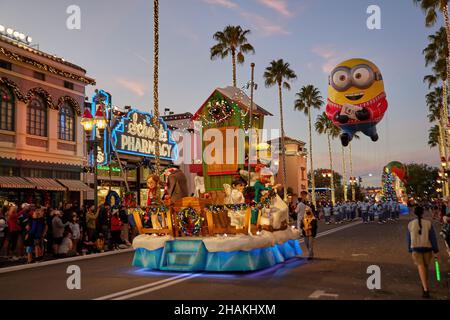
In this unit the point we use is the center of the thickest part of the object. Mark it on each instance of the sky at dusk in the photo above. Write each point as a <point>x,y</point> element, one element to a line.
<point>115,46</point>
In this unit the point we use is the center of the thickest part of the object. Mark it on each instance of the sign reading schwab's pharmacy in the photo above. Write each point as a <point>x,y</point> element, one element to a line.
<point>135,134</point>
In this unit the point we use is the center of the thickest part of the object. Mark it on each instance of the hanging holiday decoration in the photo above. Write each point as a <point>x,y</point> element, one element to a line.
<point>189,221</point>
<point>356,98</point>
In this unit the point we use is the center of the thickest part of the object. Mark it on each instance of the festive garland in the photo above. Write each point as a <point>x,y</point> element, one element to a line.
<point>265,203</point>
<point>11,85</point>
<point>45,67</point>
<point>157,209</point>
<point>189,221</point>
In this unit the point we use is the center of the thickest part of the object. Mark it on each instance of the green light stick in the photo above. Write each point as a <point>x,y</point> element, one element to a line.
<point>438,271</point>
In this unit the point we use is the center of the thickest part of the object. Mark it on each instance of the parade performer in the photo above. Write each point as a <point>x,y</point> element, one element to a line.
<point>176,186</point>
<point>356,98</point>
<point>154,197</point>
<point>235,196</point>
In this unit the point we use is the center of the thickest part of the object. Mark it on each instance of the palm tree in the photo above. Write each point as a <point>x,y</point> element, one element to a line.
<point>434,137</point>
<point>325,126</point>
<point>232,40</point>
<point>434,103</point>
<point>279,73</point>
<point>431,8</point>
<point>309,97</point>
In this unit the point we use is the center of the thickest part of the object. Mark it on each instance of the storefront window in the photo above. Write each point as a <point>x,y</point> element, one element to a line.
<point>66,123</point>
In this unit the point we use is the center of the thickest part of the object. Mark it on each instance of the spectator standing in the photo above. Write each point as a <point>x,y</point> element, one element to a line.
<point>28,242</point>
<point>58,230</point>
<point>125,231</point>
<point>91,222</point>
<point>327,213</point>
<point>422,243</point>
<point>14,232</point>
<point>37,232</point>
<point>76,232</point>
<point>116,228</point>
<point>3,228</point>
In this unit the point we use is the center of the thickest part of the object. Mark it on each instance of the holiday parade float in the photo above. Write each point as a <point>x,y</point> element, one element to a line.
<point>233,225</point>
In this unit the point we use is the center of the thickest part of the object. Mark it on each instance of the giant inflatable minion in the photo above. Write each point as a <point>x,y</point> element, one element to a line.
<point>356,98</point>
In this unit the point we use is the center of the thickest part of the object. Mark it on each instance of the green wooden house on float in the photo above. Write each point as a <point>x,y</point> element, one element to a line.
<point>227,108</point>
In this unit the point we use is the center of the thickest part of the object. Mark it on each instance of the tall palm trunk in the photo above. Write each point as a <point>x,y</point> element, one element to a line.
<point>155,82</point>
<point>344,174</point>
<point>351,172</point>
<point>283,150</point>
<point>446,145</point>
<point>313,180</point>
<point>233,57</point>
<point>333,195</point>
<point>443,136</point>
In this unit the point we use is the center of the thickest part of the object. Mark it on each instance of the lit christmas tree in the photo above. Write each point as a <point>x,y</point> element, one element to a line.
<point>389,193</point>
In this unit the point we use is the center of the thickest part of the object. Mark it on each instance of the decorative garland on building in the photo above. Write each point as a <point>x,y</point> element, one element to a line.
<point>44,67</point>
<point>11,85</point>
<point>73,103</point>
<point>43,94</point>
<point>189,221</point>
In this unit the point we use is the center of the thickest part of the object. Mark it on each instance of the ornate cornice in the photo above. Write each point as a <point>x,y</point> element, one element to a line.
<point>44,67</point>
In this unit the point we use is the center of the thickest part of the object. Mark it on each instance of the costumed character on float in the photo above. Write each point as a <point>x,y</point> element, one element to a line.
<point>235,196</point>
<point>356,98</point>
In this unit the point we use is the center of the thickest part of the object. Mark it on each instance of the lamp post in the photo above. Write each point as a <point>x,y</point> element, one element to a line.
<point>329,174</point>
<point>90,123</point>
<point>250,122</point>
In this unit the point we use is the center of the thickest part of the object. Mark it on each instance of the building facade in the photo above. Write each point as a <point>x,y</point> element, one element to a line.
<point>42,149</point>
<point>296,167</point>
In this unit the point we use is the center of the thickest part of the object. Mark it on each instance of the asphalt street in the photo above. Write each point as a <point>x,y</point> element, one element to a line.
<point>344,252</point>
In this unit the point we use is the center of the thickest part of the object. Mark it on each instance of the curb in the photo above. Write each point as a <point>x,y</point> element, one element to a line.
<point>64,260</point>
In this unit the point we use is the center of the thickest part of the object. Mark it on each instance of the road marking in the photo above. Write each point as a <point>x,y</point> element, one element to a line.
<point>331,231</point>
<point>320,293</point>
<point>146,286</point>
<point>169,284</point>
<point>60,261</point>
<point>359,254</point>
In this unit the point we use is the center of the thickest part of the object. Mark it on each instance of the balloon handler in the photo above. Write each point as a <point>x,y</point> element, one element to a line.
<point>356,98</point>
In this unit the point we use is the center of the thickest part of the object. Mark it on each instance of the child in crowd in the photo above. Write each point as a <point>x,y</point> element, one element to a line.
<point>28,243</point>
<point>99,245</point>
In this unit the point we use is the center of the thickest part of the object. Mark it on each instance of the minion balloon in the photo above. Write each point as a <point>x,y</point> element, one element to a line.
<point>356,98</point>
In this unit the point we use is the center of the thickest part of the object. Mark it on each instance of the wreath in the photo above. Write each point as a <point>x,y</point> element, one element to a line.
<point>117,200</point>
<point>189,221</point>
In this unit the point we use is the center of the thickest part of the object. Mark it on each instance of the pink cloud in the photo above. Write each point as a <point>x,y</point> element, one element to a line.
<point>263,25</point>
<point>134,86</point>
<point>223,3</point>
<point>330,55</point>
<point>279,6</point>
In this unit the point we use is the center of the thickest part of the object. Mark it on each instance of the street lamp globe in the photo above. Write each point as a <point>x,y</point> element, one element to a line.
<point>87,121</point>
<point>99,119</point>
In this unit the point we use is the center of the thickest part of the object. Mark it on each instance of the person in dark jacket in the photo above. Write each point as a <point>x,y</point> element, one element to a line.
<point>308,225</point>
<point>37,232</point>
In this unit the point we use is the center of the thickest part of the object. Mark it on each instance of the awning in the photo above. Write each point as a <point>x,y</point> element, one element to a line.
<point>15,183</point>
<point>46,184</point>
<point>74,185</point>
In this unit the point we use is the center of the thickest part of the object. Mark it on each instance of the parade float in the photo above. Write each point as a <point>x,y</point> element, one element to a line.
<point>231,226</point>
